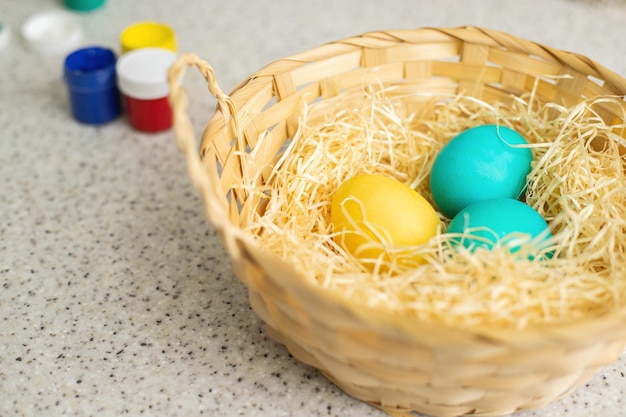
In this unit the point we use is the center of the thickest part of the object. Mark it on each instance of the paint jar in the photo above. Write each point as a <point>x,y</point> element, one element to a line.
<point>83,5</point>
<point>142,80</point>
<point>91,81</point>
<point>148,35</point>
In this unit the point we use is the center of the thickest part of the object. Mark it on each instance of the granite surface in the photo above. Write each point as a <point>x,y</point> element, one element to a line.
<point>116,297</point>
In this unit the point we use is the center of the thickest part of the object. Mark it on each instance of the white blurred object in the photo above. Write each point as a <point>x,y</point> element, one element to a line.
<point>5,35</point>
<point>52,32</point>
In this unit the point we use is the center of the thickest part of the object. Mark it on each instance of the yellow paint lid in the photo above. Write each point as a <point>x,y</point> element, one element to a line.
<point>148,35</point>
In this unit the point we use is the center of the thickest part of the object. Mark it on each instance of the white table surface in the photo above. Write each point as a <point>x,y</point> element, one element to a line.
<point>116,297</point>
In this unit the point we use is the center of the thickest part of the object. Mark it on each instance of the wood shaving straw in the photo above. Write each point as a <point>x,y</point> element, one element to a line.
<point>577,183</point>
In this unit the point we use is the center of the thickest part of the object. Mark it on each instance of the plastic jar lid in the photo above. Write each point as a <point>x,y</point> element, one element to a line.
<point>142,73</point>
<point>83,5</point>
<point>148,35</point>
<point>52,32</point>
<point>5,35</point>
<point>90,68</point>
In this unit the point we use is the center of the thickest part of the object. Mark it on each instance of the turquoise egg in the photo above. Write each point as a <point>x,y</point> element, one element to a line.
<point>481,163</point>
<point>505,220</point>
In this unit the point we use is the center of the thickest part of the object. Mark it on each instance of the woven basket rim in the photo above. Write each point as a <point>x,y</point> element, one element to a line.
<point>479,35</point>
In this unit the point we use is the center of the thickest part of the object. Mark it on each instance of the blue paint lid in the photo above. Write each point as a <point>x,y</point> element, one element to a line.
<point>91,67</point>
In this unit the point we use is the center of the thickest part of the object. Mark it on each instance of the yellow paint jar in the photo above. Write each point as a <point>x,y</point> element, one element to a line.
<point>148,35</point>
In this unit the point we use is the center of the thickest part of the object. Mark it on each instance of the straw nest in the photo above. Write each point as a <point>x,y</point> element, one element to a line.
<point>577,183</point>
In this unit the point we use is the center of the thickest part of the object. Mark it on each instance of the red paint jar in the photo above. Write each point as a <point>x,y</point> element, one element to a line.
<point>142,80</point>
<point>149,115</point>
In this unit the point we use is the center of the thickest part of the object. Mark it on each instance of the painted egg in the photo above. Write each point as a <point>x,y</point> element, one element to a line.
<point>508,221</point>
<point>481,163</point>
<point>371,213</point>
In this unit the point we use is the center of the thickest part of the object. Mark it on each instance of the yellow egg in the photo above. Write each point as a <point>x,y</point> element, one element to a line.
<point>374,215</point>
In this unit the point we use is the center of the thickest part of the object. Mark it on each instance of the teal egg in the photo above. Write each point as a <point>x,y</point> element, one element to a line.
<point>481,163</point>
<point>505,220</point>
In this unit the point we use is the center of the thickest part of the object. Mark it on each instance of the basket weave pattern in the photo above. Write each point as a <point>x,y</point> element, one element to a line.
<point>396,365</point>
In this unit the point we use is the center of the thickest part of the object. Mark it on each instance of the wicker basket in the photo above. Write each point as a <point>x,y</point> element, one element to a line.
<point>397,365</point>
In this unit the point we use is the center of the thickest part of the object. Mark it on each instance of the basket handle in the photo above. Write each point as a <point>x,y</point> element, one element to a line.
<point>205,180</point>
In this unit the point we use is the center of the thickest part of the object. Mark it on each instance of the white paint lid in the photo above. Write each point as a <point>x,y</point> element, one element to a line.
<point>52,32</point>
<point>142,73</point>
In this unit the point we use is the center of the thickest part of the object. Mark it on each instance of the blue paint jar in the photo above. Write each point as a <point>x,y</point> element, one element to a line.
<point>91,80</point>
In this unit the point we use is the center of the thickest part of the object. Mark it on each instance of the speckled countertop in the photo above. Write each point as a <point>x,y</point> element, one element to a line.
<point>116,297</point>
